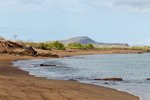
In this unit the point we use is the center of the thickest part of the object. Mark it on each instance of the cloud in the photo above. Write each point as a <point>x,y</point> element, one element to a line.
<point>17,2</point>
<point>132,5</point>
<point>66,5</point>
<point>81,5</point>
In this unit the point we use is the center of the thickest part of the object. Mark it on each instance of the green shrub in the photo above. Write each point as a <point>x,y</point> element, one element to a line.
<point>89,47</point>
<point>57,45</point>
<point>44,46</point>
<point>52,45</point>
<point>75,46</point>
<point>81,46</point>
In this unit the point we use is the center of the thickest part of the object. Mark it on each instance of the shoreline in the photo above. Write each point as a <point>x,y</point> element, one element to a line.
<point>119,90</point>
<point>12,73</point>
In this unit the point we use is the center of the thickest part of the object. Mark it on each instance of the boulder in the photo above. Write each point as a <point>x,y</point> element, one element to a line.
<point>47,65</point>
<point>148,79</point>
<point>30,51</point>
<point>72,80</point>
<point>109,79</point>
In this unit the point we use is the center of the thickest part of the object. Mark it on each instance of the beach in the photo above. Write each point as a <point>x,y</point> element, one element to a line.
<point>16,84</point>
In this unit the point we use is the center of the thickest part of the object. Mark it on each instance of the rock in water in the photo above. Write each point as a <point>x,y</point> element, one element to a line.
<point>47,65</point>
<point>148,79</point>
<point>109,79</point>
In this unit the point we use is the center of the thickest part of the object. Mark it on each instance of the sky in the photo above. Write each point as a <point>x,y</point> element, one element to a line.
<point>112,21</point>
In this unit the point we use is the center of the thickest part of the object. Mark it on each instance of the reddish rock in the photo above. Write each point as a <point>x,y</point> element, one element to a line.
<point>14,44</point>
<point>2,47</point>
<point>8,46</point>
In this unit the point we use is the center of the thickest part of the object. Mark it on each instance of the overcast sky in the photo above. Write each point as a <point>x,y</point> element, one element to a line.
<point>103,20</point>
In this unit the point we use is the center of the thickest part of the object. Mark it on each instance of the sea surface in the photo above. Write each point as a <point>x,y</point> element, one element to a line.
<point>133,68</point>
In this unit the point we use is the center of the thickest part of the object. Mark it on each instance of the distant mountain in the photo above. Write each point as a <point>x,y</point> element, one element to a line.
<point>87,40</point>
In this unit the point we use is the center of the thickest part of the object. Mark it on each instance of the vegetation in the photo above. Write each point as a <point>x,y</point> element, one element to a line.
<point>59,46</point>
<point>89,47</point>
<point>141,48</point>
<point>112,48</point>
<point>44,46</point>
<point>81,46</point>
<point>53,45</point>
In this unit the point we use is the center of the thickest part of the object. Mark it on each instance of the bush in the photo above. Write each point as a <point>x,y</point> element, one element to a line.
<point>54,45</point>
<point>81,46</point>
<point>44,46</point>
<point>75,46</point>
<point>141,48</point>
<point>89,47</point>
<point>57,45</point>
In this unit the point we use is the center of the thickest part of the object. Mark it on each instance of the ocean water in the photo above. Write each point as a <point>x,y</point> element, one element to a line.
<point>133,68</point>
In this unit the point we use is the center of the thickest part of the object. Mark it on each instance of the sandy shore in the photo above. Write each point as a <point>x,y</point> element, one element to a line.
<point>16,84</point>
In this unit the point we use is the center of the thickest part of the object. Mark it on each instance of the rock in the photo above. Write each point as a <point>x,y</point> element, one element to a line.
<point>15,44</point>
<point>47,65</point>
<point>72,80</point>
<point>9,46</point>
<point>139,52</point>
<point>148,79</point>
<point>109,79</point>
<point>30,51</point>
<point>2,48</point>
<point>5,47</point>
<point>106,83</point>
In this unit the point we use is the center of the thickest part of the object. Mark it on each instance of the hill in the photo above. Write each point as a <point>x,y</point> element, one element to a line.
<point>87,40</point>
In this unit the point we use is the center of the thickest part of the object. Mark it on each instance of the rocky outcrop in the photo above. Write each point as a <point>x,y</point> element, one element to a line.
<point>15,44</point>
<point>8,46</point>
<point>15,48</point>
<point>109,79</point>
<point>2,47</point>
<point>5,47</point>
<point>30,51</point>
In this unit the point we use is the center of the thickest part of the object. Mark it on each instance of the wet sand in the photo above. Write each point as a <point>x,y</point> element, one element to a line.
<point>16,84</point>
